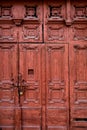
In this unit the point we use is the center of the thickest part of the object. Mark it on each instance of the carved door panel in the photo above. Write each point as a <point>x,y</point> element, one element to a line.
<point>55,30</point>
<point>57,107</point>
<point>31,27</point>
<point>78,85</point>
<point>9,107</point>
<point>31,100</point>
<point>24,17</point>
<point>20,87</point>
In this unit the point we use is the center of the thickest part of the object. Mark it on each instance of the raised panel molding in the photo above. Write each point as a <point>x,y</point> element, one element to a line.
<point>32,78</point>
<point>81,97</point>
<point>54,17</point>
<point>6,12</point>
<point>56,81</point>
<point>80,75</point>
<point>31,12</point>
<point>56,95</point>
<point>80,12</point>
<point>31,101</point>
<point>55,32</point>
<point>7,33</point>
<point>6,47</point>
<point>55,13</point>
<point>80,82</point>
<point>32,93</point>
<point>7,89</point>
<point>31,32</point>
<point>26,47</point>
<point>27,16</point>
<point>7,95</point>
<point>79,32</point>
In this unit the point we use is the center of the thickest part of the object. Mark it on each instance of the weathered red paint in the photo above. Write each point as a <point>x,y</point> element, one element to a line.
<point>43,80</point>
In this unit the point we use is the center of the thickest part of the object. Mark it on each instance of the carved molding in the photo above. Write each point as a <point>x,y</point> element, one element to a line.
<point>56,96</point>
<point>32,94</point>
<point>31,12</point>
<point>6,33</point>
<point>78,47</point>
<point>5,11</point>
<point>55,12</point>
<point>27,47</point>
<point>80,78</point>
<point>80,12</point>
<point>31,32</point>
<point>57,85</point>
<point>55,32</point>
<point>7,46</point>
<point>50,48</point>
<point>7,95</point>
<point>56,79</point>
<point>80,32</point>
<point>18,22</point>
<point>80,97</point>
<point>80,85</point>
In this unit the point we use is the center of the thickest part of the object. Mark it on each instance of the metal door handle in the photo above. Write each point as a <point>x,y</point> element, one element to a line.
<point>20,84</point>
<point>21,89</point>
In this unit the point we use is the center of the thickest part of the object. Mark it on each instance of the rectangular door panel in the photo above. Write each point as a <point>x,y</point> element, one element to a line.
<point>9,111</point>
<point>55,30</point>
<point>78,84</point>
<point>31,29</point>
<point>25,14</point>
<point>57,109</point>
<point>8,32</point>
<point>30,69</point>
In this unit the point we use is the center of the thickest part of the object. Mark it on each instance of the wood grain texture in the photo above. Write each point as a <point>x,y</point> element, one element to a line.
<point>43,64</point>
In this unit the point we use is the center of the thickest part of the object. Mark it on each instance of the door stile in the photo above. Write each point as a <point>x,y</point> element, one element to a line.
<point>9,105</point>
<point>69,87</point>
<point>43,80</point>
<point>18,111</point>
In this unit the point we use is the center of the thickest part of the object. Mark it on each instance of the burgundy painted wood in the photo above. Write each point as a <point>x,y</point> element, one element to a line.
<point>9,106</point>
<point>78,85</point>
<point>43,64</point>
<point>57,100</point>
<point>31,97</point>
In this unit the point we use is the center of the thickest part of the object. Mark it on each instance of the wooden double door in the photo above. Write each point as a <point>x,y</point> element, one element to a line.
<point>34,87</point>
<point>43,65</point>
<point>42,88</point>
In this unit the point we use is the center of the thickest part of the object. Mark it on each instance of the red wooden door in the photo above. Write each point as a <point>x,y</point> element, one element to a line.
<point>21,87</point>
<point>30,69</point>
<point>25,98</point>
<point>57,94</point>
<point>43,65</point>
<point>78,86</point>
<point>9,106</point>
<point>44,107</point>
